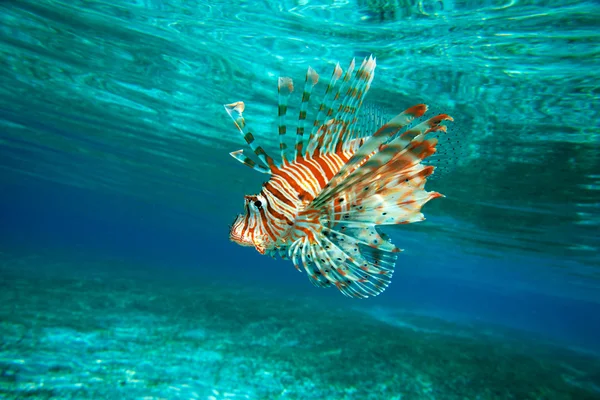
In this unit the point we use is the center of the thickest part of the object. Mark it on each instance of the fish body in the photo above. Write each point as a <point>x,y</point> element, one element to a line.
<point>321,208</point>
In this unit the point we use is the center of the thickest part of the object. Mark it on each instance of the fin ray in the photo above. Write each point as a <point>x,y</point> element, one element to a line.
<point>367,150</point>
<point>242,157</point>
<point>235,111</point>
<point>346,261</point>
<point>325,104</point>
<point>311,80</point>
<point>285,86</point>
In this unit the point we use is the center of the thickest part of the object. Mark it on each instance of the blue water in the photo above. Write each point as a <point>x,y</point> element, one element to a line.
<point>115,181</point>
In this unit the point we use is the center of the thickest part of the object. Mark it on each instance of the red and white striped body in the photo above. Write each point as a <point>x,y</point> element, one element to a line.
<point>268,223</point>
<point>322,209</point>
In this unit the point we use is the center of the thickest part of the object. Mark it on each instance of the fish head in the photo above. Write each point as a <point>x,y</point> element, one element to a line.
<point>249,228</point>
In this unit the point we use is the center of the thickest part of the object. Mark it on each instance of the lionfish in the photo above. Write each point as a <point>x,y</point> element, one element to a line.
<point>322,206</point>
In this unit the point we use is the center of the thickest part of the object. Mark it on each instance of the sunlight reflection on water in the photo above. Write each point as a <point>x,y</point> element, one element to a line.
<point>127,96</point>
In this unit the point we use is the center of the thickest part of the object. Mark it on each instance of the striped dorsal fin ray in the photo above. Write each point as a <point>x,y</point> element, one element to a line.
<point>311,80</point>
<point>335,124</point>
<point>235,111</point>
<point>338,131</point>
<point>354,99</point>
<point>371,118</point>
<point>325,105</point>
<point>399,153</point>
<point>242,157</point>
<point>319,142</point>
<point>371,146</point>
<point>285,86</point>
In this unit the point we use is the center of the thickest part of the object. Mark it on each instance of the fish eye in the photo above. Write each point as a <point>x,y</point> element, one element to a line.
<point>258,204</point>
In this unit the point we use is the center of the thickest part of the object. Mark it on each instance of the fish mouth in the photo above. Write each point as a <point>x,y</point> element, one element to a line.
<point>248,243</point>
<point>239,240</point>
<point>234,234</point>
<point>251,239</point>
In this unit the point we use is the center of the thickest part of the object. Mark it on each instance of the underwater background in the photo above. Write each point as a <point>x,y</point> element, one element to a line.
<point>117,277</point>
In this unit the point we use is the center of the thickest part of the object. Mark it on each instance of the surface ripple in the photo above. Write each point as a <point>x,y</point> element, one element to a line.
<point>127,96</point>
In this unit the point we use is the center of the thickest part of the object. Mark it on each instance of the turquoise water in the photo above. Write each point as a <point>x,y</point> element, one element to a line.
<point>118,279</point>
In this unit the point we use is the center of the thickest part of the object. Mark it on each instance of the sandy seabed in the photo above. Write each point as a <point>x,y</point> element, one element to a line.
<point>77,330</point>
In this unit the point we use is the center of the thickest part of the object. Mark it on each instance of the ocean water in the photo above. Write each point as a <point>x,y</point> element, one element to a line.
<point>117,276</point>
